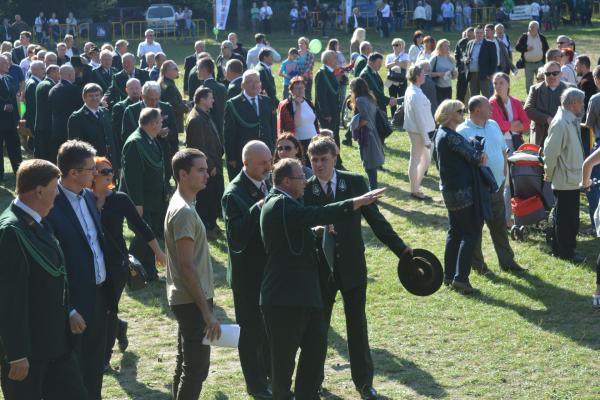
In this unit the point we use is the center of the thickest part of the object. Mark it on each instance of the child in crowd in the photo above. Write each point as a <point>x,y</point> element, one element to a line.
<point>289,69</point>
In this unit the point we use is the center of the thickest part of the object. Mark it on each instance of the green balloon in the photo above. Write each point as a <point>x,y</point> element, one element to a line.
<point>22,108</point>
<point>315,46</point>
<point>215,31</point>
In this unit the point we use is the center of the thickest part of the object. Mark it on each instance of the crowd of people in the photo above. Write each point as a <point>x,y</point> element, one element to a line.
<point>104,129</point>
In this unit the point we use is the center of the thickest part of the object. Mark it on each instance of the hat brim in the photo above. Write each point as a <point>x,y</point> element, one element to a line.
<point>421,274</point>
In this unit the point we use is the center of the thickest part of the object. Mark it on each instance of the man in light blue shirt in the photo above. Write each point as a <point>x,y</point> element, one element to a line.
<point>480,124</point>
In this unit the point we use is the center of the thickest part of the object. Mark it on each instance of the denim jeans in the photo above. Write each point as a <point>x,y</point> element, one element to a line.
<point>463,235</point>
<point>593,195</point>
<point>372,175</point>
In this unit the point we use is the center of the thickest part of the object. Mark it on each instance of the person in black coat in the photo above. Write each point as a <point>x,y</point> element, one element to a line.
<point>102,75</point>
<point>233,72</point>
<point>116,207</point>
<point>9,118</point>
<point>42,129</point>
<point>36,357</point>
<point>63,100</point>
<point>267,79</point>
<point>116,92</point>
<point>20,52</point>
<point>481,61</point>
<point>206,66</point>
<point>76,222</point>
<point>190,62</point>
<point>227,54</point>
<point>121,49</point>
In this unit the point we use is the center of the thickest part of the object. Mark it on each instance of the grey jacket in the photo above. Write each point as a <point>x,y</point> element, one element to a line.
<point>542,104</point>
<point>372,155</point>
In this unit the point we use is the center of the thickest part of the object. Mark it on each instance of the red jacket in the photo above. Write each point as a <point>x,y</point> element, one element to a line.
<point>518,114</point>
<point>285,117</point>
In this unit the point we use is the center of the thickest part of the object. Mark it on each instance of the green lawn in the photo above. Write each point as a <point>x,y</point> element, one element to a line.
<point>533,336</point>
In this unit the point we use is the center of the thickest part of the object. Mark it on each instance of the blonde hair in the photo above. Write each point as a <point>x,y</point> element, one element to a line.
<point>446,109</point>
<point>401,42</point>
<point>359,35</point>
<point>439,44</point>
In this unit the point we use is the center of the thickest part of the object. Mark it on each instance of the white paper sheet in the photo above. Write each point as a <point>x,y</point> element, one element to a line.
<point>230,336</point>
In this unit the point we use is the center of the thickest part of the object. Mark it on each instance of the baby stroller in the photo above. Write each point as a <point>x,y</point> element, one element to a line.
<point>532,198</point>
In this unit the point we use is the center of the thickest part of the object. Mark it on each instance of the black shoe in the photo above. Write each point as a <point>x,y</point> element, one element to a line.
<point>368,393</point>
<point>264,394</point>
<point>513,267</point>
<point>464,288</point>
<point>577,259</point>
<point>122,336</point>
<point>447,282</point>
<point>482,269</point>
<point>347,142</point>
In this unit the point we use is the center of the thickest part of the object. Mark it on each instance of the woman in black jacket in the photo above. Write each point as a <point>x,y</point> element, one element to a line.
<point>458,163</point>
<point>115,207</point>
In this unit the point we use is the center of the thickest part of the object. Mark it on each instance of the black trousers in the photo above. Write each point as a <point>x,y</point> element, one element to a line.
<point>361,363</point>
<point>13,148</point>
<point>119,279</point>
<point>396,91</point>
<point>58,379</point>
<point>169,146</point>
<point>464,234</point>
<point>41,146</point>
<point>289,329</point>
<point>334,126</point>
<point>566,223</point>
<point>443,93</point>
<point>193,357</point>
<point>139,247</point>
<point>462,85</point>
<point>90,345</point>
<point>208,201</point>
<point>253,346</point>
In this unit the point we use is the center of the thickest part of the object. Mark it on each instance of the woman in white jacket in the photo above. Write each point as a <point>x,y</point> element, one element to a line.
<point>418,122</point>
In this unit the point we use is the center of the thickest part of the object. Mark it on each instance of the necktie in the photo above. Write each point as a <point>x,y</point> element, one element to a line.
<point>329,193</point>
<point>254,105</point>
<point>263,188</point>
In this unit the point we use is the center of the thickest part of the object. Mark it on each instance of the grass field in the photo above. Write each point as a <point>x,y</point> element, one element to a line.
<point>532,336</point>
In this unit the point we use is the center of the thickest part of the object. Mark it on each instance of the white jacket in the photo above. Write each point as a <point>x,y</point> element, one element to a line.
<point>417,113</point>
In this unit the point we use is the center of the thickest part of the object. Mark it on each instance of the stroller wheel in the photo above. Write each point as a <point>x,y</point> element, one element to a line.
<point>514,232</point>
<point>524,233</point>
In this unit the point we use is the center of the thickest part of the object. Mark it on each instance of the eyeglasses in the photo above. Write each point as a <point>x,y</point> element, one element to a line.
<point>284,148</point>
<point>553,73</point>
<point>106,171</point>
<point>461,111</point>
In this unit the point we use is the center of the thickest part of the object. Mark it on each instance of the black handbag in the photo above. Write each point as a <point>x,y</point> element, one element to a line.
<point>398,118</point>
<point>382,124</point>
<point>395,76</point>
<point>520,63</point>
<point>137,277</point>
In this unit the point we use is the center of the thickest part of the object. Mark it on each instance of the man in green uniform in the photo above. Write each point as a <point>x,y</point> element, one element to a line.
<point>116,92</point>
<point>267,80</point>
<point>36,359</point>
<point>233,72</point>
<point>361,61</point>
<point>327,95</point>
<point>134,94</point>
<point>38,71</point>
<point>206,66</point>
<point>371,75</point>
<point>142,178</point>
<point>42,128</point>
<point>102,75</point>
<point>290,295</point>
<point>348,269</point>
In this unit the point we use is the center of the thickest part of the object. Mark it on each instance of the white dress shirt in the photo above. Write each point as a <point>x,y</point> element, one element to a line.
<point>333,181</point>
<point>250,100</point>
<point>32,213</point>
<point>145,47</point>
<point>252,56</point>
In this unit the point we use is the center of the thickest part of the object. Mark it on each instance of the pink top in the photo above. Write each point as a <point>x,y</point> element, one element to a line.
<point>517,111</point>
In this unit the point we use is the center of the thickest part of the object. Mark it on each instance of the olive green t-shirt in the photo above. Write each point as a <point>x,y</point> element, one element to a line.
<point>182,221</point>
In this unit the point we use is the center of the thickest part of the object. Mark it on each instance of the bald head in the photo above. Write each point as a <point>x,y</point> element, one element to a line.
<point>133,87</point>
<point>257,159</point>
<point>67,73</point>
<point>38,69</point>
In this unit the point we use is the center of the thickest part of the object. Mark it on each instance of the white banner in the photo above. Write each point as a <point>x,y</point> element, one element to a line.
<point>348,10</point>
<point>222,13</point>
<point>521,13</point>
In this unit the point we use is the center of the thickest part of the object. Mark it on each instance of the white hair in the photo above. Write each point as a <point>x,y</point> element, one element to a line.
<point>249,72</point>
<point>252,147</point>
<point>131,81</point>
<point>327,54</point>
<point>149,32</point>
<point>128,55</point>
<point>571,96</point>
<point>150,86</point>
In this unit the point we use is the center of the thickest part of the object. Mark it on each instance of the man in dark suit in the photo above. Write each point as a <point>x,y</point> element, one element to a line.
<point>64,99</point>
<point>233,73</point>
<point>481,61</point>
<point>134,94</point>
<point>242,200</point>
<point>363,58</point>
<point>355,20</point>
<point>9,118</point>
<point>327,95</point>
<point>348,274</point>
<point>190,62</point>
<point>462,84</point>
<point>206,66</point>
<point>503,58</point>
<point>6,32</point>
<point>42,127</point>
<point>290,296</point>
<point>371,75</point>
<point>103,74</point>
<point>267,80</point>
<point>36,359</point>
<point>116,92</point>
<point>91,124</point>
<point>248,116</point>
<point>121,48</point>
<point>143,178</point>
<point>38,72</point>
<point>76,221</point>
<point>20,52</point>
<point>167,137</point>
<point>83,71</point>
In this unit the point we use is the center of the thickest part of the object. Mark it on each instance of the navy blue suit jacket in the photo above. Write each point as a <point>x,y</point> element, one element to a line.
<point>78,254</point>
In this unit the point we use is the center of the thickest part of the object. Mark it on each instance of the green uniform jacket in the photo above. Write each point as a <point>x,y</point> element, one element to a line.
<point>376,85</point>
<point>234,88</point>
<point>291,276</point>
<point>131,118</point>
<point>142,174</point>
<point>43,114</point>
<point>350,264</point>
<point>327,94</point>
<point>218,109</point>
<point>117,120</point>
<point>170,94</point>
<point>116,91</point>
<point>243,125</point>
<point>359,64</point>
<point>34,320</point>
<point>103,77</point>
<point>247,256</point>
<point>30,88</point>
<point>97,131</point>
<point>267,81</point>
<point>193,83</point>
<point>201,133</point>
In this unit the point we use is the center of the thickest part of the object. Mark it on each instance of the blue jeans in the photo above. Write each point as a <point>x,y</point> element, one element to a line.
<point>463,236</point>
<point>458,23</point>
<point>447,24</point>
<point>372,175</point>
<point>593,195</point>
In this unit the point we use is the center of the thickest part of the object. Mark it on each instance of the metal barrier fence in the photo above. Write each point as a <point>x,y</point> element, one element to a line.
<point>134,30</point>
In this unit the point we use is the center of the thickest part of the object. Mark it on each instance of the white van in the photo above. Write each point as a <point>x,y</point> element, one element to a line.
<point>161,18</point>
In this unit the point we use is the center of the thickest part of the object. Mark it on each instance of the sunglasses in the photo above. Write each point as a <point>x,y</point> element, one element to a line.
<point>106,171</point>
<point>284,148</point>
<point>553,73</point>
<point>461,111</point>
<point>396,45</point>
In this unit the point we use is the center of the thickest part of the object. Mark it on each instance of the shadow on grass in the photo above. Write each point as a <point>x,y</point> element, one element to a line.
<point>7,188</point>
<point>127,379</point>
<point>393,368</point>
<point>565,312</point>
<point>417,217</point>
